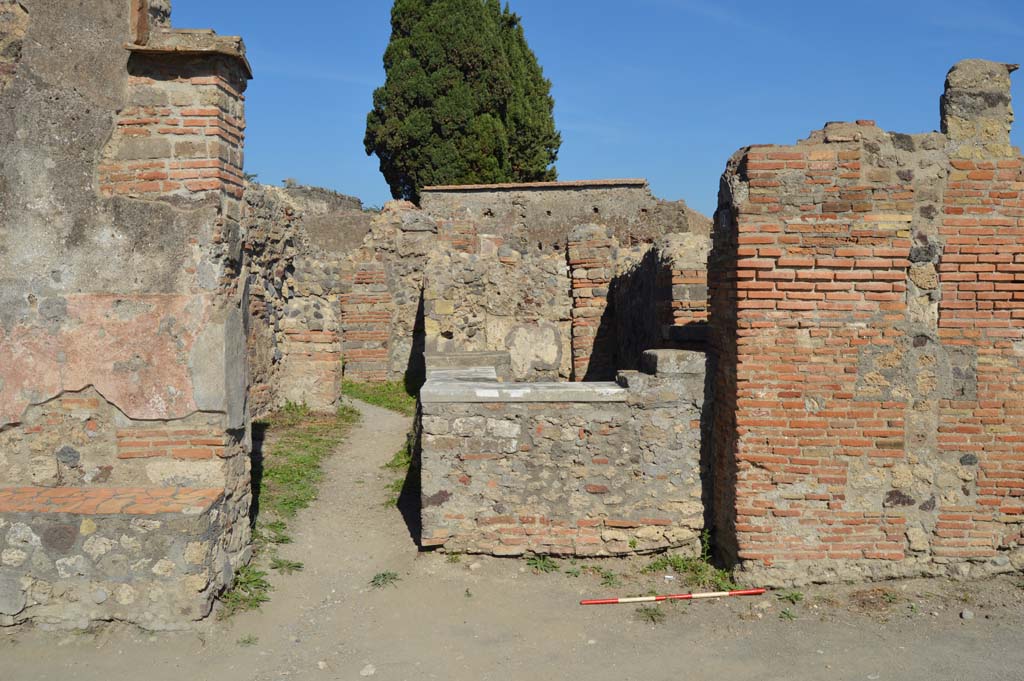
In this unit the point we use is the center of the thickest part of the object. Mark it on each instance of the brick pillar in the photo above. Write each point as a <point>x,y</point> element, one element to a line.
<point>367,308</point>
<point>591,252</point>
<point>981,318</point>
<point>813,357</point>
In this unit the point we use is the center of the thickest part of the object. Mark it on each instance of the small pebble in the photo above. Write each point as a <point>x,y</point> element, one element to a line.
<point>368,670</point>
<point>322,665</point>
<point>967,615</point>
<point>475,566</point>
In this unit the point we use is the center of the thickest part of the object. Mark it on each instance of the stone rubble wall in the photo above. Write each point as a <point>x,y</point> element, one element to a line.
<point>499,299</point>
<point>383,323</point>
<point>539,215</point>
<point>594,470</point>
<point>297,240</point>
<point>126,554</point>
<point>382,318</point>
<point>124,475</point>
<point>658,297</point>
<point>867,314</point>
<point>13,26</point>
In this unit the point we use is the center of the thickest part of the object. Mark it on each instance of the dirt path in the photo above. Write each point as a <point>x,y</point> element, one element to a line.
<point>485,618</point>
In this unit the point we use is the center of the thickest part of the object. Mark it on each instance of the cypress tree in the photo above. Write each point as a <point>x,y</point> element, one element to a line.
<point>464,100</point>
<point>533,139</point>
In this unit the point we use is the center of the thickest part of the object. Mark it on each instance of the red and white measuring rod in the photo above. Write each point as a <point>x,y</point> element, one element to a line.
<point>673,597</point>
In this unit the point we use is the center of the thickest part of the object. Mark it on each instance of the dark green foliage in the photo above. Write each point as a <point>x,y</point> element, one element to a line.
<point>464,100</point>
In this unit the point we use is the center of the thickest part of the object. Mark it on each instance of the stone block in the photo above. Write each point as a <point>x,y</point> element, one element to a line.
<point>673,362</point>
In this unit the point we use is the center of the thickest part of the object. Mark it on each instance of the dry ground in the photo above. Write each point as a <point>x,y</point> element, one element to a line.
<point>482,618</point>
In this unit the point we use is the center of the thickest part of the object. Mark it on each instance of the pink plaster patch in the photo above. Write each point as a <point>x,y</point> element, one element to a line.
<point>133,349</point>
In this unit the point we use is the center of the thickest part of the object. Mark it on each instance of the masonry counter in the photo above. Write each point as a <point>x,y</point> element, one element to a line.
<point>594,469</point>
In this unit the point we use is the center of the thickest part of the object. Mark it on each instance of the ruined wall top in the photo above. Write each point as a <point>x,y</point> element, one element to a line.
<point>545,212</point>
<point>976,111</point>
<point>152,34</point>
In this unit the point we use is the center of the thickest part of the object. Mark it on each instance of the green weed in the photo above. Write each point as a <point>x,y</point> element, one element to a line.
<point>608,578</point>
<point>394,490</point>
<point>696,572</point>
<point>248,640</point>
<point>402,459</point>
<point>651,614</point>
<point>401,462</point>
<point>273,532</point>
<point>250,590</point>
<point>542,564</point>
<point>787,615</point>
<point>383,579</point>
<point>792,597</point>
<point>286,566</point>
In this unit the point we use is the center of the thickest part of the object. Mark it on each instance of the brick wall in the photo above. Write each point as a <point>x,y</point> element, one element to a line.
<point>866,369</point>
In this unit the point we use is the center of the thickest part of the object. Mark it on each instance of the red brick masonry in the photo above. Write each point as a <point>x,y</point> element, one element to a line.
<point>109,500</point>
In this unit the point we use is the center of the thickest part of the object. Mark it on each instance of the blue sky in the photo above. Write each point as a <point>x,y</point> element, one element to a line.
<point>662,89</point>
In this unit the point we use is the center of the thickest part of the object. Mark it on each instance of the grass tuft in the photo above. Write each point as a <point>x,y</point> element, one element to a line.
<point>286,566</point>
<point>401,463</point>
<point>391,395</point>
<point>292,466</point>
<point>608,577</point>
<point>696,572</point>
<point>543,564</point>
<point>383,579</point>
<point>250,590</point>
<point>651,614</point>
<point>792,597</point>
